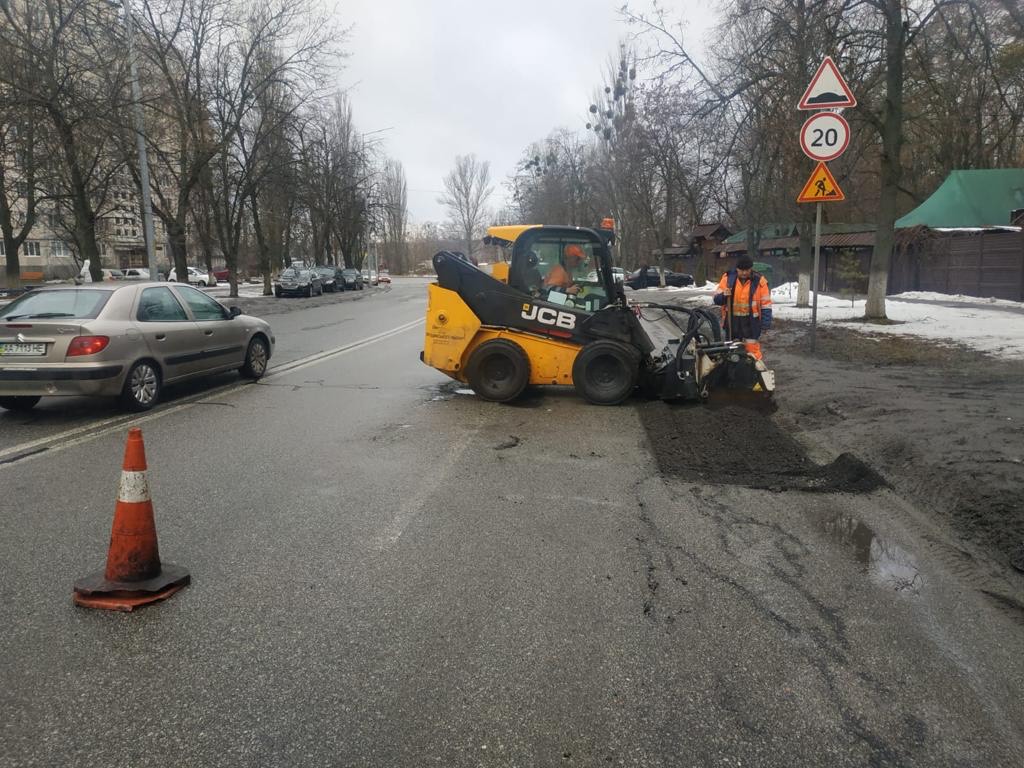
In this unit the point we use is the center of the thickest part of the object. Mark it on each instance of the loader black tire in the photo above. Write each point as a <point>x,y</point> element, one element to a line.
<point>605,372</point>
<point>498,370</point>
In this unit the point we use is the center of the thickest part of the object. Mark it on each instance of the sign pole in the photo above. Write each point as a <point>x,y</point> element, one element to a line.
<point>814,279</point>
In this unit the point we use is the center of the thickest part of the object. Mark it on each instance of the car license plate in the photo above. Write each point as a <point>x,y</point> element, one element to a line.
<point>22,349</point>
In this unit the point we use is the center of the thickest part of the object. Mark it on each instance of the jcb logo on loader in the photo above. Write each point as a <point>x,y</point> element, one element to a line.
<point>549,316</point>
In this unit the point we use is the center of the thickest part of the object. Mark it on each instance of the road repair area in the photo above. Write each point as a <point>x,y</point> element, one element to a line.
<point>379,568</point>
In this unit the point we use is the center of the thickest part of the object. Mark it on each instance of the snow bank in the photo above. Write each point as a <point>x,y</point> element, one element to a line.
<point>991,325</point>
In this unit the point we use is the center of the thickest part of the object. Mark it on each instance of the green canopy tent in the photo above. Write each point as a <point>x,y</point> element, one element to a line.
<point>974,199</point>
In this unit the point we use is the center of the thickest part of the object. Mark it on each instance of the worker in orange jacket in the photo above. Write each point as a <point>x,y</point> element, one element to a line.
<point>746,301</point>
<point>561,277</point>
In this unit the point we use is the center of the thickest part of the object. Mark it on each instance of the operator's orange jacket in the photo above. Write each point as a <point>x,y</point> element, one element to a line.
<point>760,308</point>
<point>558,277</point>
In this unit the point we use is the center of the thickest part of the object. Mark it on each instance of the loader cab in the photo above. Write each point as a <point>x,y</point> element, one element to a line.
<point>537,251</point>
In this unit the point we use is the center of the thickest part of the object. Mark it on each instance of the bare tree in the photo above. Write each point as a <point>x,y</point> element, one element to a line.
<point>467,189</point>
<point>551,184</point>
<point>21,163</point>
<point>63,60</point>
<point>394,193</point>
<point>208,76</point>
<point>338,183</point>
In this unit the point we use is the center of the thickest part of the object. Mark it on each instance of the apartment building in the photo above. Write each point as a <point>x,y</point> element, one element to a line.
<point>49,254</point>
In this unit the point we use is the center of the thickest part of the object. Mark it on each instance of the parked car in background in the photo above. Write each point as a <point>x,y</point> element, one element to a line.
<point>328,279</point>
<point>350,279</point>
<point>222,275</point>
<point>370,276</point>
<point>85,275</point>
<point>384,277</point>
<point>196,276</point>
<point>136,273</point>
<point>618,274</point>
<point>124,339</point>
<point>298,282</point>
<point>673,279</point>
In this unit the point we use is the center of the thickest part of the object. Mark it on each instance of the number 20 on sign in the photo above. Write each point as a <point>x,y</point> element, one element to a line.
<point>825,136</point>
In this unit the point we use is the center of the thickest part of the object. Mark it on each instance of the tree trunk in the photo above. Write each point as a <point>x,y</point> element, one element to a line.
<point>179,249</point>
<point>85,216</point>
<point>891,162</point>
<point>806,264</point>
<point>13,242</point>
<point>261,242</point>
<point>13,269</point>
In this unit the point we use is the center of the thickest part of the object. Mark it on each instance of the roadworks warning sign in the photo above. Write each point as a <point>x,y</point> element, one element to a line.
<point>821,187</point>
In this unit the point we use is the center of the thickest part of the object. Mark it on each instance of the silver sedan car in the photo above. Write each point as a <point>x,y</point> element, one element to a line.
<point>125,340</point>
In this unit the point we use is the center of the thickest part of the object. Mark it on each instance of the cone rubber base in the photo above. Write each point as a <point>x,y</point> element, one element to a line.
<point>96,592</point>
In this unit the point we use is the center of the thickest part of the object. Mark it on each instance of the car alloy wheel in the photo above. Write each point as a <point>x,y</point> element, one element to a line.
<point>256,358</point>
<point>141,387</point>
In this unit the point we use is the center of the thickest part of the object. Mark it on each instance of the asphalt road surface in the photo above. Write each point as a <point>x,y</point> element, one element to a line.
<point>388,571</point>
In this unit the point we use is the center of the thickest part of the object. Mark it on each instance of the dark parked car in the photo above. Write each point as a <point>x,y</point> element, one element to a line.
<point>298,282</point>
<point>327,277</point>
<point>350,279</point>
<point>673,279</point>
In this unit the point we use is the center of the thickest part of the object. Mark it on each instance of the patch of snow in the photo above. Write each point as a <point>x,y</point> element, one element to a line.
<point>958,297</point>
<point>995,331</point>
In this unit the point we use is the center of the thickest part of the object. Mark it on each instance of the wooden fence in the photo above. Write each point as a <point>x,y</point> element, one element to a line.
<point>987,265</point>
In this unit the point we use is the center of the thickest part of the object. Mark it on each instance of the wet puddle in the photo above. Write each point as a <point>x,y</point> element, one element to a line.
<point>533,397</point>
<point>886,564</point>
<point>448,390</point>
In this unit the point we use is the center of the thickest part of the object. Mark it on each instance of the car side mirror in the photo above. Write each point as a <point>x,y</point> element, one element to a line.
<point>234,312</point>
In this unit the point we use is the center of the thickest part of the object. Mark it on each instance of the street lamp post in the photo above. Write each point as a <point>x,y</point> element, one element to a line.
<point>140,142</point>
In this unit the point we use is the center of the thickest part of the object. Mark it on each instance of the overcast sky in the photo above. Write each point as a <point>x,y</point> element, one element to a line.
<point>442,78</point>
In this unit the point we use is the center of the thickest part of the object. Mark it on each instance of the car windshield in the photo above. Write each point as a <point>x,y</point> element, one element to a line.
<point>82,304</point>
<point>290,273</point>
<point>350,272</point>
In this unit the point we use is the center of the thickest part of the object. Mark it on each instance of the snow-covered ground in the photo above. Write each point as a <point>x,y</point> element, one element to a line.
<point>990,325</point>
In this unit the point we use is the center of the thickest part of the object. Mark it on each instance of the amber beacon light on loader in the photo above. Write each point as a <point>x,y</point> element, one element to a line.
<point>551,312</point>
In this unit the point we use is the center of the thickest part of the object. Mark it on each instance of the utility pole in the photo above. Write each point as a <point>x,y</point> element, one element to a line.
<point>140,142</point>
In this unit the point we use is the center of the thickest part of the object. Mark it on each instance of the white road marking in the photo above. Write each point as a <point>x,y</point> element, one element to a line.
<point>72,437</point>
<point>412,506</point>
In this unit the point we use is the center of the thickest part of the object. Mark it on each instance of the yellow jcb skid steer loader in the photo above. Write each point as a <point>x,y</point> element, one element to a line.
<point>553,313</point>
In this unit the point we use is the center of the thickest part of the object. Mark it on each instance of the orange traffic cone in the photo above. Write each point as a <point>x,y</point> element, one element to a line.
<point>134,575</point>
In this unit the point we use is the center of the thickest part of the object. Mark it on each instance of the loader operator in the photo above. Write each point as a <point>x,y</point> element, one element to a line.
<point>561,277</point>
<point>746,304</point>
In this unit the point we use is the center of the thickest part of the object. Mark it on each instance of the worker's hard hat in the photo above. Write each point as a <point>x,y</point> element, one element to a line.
<point>574,252</point>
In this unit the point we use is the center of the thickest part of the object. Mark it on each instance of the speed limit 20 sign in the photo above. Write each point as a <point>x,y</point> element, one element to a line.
<point>825,136</point>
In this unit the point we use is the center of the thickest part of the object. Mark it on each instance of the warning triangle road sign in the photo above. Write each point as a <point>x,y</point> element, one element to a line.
<point>828,89</point>
<point>821,187</point>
